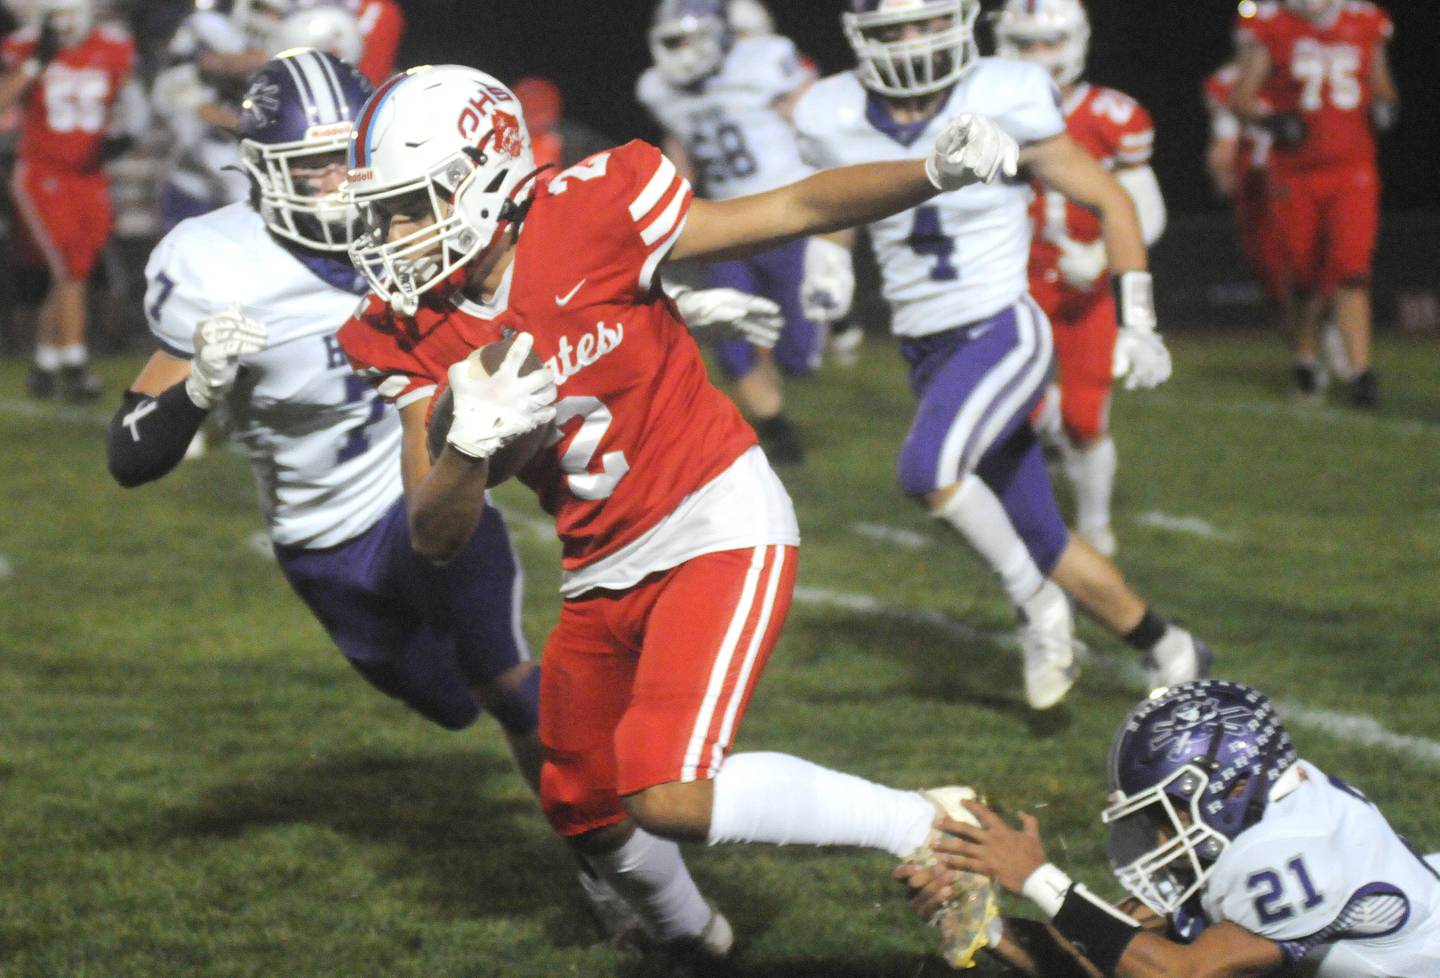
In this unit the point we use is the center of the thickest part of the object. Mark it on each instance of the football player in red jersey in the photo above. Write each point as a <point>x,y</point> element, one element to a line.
<point>1237,158</point>
<point>1068,265</point>
<point>67,73</point>
<point>1315,73</point>
<point>679,543</point>
<point>382,24</point>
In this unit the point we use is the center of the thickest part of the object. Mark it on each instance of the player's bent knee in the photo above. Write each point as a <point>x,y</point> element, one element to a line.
<point>576,794</point>
<point>513,699</point>
<point>675,810</point>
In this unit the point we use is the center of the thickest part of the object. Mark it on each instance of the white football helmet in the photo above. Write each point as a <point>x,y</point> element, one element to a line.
<point>1317,10</point>
<point>73,19</point>
<point>689,39</point>
<point>908,48</point>
<point>446,148</point>
<point>323,26</point>
<point>750,18</point>
<point>1061,27</point>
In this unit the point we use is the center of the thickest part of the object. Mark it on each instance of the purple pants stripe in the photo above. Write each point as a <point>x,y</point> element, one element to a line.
<point>420,633</point>
<point>777,274</point>
<point>977,384</point>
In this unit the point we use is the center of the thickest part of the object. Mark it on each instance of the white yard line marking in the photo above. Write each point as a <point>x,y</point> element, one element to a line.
<point>259,543</point>
<point>884,533</point>
<point>53,412</point>
<point>1193,525</point>
<point>1354,729</point>
<point>7,568</point>
<point>542,530</point>
<point>1302,413</point>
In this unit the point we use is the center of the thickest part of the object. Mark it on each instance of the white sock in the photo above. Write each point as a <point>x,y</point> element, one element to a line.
<point>47,357</point>
<point>651,875</point>
<point>1091,471</point>
<point>783,800</point>
<point>976,513</point>
<point>75,355</point>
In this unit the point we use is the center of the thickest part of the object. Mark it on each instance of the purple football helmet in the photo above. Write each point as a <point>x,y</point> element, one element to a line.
<point>689,39</point>
<point>1189,771</point>
<point>295,125</point>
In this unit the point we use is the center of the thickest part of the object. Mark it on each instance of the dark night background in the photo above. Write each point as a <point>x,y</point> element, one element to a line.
<point>1159,51</point>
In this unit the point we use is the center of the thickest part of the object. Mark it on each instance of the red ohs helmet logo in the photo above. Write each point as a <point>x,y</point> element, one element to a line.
<point>482,108</point>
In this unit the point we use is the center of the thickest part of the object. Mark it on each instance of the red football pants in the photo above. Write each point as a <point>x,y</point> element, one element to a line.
<point>1328,220</point>
<point>1084,326</point>
<point>65,217</point>
<point>647,686</point>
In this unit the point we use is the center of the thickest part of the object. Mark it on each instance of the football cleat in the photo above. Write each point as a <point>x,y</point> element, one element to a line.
<point>620,922</point>
<point>40,383</point>
<point>1178,657</point>
<point>964,919</point>
<point>78,384</point>
<point>1047,638</point>
<point>712,946</point>
<point>1365,390</point>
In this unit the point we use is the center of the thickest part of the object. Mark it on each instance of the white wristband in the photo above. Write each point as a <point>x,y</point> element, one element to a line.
<point>1046,888</point>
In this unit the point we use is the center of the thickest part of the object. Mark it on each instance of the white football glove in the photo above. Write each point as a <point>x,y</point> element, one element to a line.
<point>1141,358</point>
<point>220,342</point>
<point>971,149</point>
<point>1081,264</point>
<point>732,313</point>
<point>828,289</point>
<point>492,410</point>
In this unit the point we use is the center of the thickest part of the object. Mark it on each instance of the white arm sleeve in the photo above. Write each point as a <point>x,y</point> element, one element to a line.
<point>1140,183</point>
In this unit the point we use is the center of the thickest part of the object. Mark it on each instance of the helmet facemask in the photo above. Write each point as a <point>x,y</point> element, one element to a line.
<point>291,197</point>
<point>913,49</point>
<point>688,49</point>
<point>1056,37</point>
<point>1160,847</point>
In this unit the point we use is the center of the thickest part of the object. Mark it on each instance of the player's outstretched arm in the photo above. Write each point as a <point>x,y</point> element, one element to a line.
<point>970,149</point>
<point>1245,102</point>
<point>1385,97</point>
<point>1111,940</point>
<point>1060,163</point>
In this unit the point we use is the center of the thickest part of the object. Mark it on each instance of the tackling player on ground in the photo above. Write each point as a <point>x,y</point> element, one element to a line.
<point>1315,73</point>
<point>1242,860</point>
<point>1069,270</point>
<point>978,347</point>
<point>68,74</point>
<point>725,101</point>
<point>679,542</point>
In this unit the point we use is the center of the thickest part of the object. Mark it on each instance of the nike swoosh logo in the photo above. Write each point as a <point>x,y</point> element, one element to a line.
<point>569,295</point>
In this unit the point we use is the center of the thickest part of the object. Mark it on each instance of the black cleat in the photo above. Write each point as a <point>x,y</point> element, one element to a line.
<point>1365,390</point>
<point>40,384</point>
<point>1307,381</point>
<point>780,440</point>
<point>79,384</point>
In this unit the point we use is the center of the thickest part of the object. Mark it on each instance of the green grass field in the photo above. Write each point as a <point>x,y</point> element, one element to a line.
<point>193,783</point>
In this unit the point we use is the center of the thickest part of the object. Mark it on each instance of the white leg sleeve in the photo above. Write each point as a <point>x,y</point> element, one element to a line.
<point>650,874</point>
<point>783,800</point>
<point>1091,471</point>
<point>979,517</point>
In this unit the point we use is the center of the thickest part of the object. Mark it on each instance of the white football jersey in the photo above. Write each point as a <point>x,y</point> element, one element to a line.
<point>737,141</point>
<point>1324,875</point>
<point>962,256</point>
<point>204,161</point>
<point>323,445</point>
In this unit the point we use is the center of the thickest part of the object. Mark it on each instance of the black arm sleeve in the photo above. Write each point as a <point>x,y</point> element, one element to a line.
<point>148,435</point>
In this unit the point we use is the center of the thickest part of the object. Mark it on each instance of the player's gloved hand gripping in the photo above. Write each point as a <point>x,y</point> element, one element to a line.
<point>492,410</point>
<point>971,149</point>
<point>220,342</point>
<point>752,318</point>
<point>1140,354</point>
<point>828,289</point>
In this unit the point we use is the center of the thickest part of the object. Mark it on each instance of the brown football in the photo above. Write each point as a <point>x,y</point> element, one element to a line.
<point>514,456</point>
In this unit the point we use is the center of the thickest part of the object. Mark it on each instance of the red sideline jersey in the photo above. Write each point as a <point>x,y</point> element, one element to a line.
<point>1116,130</point>
<point>1321,72</point>
<point>382,24</point>
<point>642,425</point>
<point>67,110</point>
<point>1254,148</point>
